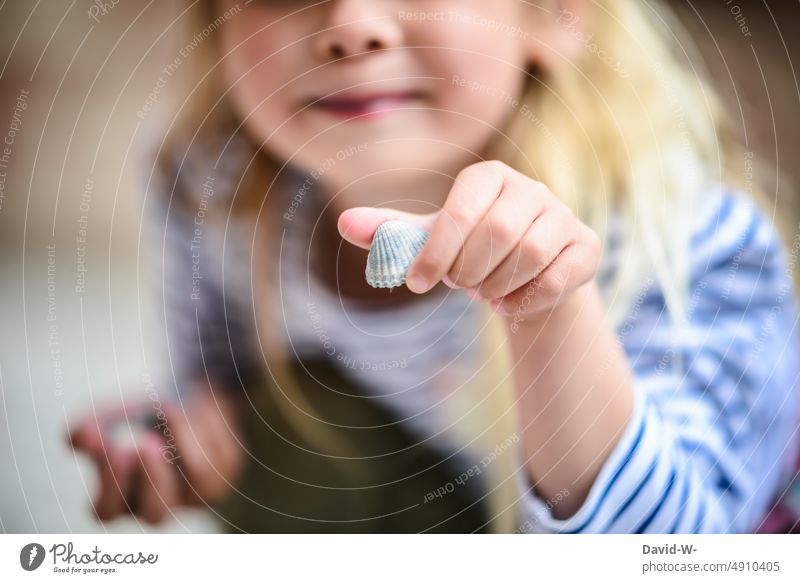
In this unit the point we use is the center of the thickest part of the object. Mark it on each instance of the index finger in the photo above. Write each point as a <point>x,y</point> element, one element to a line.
<point>476,187</point>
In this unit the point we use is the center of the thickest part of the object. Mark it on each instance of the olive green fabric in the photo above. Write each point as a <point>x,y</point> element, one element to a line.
<point>392,491</point>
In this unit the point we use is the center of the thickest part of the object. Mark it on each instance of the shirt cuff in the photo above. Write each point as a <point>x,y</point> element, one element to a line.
<point>537,516</point>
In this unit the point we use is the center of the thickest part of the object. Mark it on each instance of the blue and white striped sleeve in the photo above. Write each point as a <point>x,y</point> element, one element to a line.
<point>714,430</point>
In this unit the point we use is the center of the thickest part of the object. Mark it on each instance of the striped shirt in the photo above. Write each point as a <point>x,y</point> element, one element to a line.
<point>715,422</point>
<point>712,440</point>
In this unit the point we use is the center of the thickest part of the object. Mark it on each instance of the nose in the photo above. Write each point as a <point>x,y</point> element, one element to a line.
<point>354,27</point>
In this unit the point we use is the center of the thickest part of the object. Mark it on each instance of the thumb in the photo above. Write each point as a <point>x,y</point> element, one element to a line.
<point>358,224</point>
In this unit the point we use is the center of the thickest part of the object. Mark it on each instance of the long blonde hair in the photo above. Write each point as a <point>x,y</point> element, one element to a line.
<point>627,125</point>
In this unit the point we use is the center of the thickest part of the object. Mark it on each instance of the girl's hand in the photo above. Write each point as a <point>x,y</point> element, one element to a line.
<point>189,459</point>
<point>501,236</point>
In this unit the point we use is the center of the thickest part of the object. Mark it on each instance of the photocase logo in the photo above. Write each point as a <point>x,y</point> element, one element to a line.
<point>31,556</point>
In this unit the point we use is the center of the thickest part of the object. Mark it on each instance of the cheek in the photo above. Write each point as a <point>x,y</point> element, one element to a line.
<point>480,81</point>
<point>256,71</point>
<point>264,95</point>
<point>482,61</point>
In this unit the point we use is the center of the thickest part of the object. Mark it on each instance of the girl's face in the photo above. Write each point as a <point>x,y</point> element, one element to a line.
<point>379,92</point>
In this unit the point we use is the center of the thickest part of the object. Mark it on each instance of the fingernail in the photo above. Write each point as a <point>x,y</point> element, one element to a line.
<point>417,284</point>
<point>472,292</point>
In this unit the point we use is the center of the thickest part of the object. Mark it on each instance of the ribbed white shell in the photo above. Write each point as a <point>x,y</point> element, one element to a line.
<point>394,248</point>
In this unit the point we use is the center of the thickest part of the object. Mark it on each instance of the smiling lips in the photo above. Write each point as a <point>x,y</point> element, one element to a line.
<point>365,106</point>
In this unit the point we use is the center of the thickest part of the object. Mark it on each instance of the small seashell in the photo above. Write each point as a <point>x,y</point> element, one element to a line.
<point>394,248</point>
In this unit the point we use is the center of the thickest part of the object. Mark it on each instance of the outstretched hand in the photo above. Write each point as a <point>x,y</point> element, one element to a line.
<point>501,236</point>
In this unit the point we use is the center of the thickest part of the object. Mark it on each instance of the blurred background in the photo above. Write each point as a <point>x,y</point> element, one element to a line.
<point>77,327</point>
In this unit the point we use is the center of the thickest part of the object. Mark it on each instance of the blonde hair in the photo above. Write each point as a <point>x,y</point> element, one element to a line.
<point>625,125</point>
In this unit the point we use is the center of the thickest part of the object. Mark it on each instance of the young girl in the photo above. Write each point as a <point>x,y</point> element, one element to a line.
<point>598,335</point>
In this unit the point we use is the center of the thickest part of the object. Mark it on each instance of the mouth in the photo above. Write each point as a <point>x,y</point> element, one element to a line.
<point>367,106</point>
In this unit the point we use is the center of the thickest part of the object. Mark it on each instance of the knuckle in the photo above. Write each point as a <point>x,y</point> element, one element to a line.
<point>540,188</point>
<point>478,168</point>
<point>467,174</point>
<point>425,265</point>
<point>495,167</point>
<point>533,250</point>
<point>593,240</point>
<point>501,232</point>
<point>564,215</point>
<point>574,227</point>
<point>460,215</point>
<point>492,168</point>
